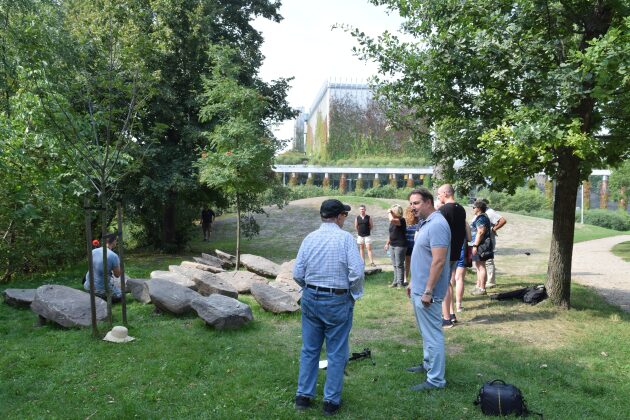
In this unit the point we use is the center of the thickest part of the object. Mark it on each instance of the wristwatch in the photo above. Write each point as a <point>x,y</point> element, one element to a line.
<point>475,246</point>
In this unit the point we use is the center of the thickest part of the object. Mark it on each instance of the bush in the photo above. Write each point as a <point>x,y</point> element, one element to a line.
<point>385,191</point>
<point>616,220</point>
<point>523,200</point>
<point>291,158</point>
<point>307,191</point>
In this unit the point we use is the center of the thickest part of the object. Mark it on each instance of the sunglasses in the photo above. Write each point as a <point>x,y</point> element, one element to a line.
<point>345,213</point>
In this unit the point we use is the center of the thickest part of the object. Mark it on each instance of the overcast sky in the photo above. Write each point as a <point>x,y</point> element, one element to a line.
<point>303,46</point>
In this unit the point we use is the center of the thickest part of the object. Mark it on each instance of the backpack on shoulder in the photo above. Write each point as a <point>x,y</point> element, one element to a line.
<point>496,398</point>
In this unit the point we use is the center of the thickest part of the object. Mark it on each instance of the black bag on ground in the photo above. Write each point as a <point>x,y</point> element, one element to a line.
<point>496,398</point>
<point>531,295</point>
<point>535,295</point>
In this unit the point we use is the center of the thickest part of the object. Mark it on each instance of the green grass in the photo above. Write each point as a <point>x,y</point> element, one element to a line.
<point>179,368</point>
<point>590,232</point>
<point>622,250</point>
<point>569,364</point>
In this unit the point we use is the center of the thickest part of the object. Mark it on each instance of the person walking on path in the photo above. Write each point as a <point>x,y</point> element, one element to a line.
<point>455,215</point>
<point>207,217</point>
<point>397,241</point>
<point>364,225</point>
<point>430,276</point>
<point>329,269</point>
<point>497,221</point>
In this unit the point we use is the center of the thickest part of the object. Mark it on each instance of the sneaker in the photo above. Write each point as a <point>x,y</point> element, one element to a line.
<point>405,284</point>
<point>416,369</point>
<point>372,265</point>
<point>424,386</point>
<point>330,409</point>
<point>478,292</point>
<point>453,319</point>
<point>302,402</point>
<point>490,285</point>
<point>393,285</point>
<point>447,323</point>
<point>460,308</point>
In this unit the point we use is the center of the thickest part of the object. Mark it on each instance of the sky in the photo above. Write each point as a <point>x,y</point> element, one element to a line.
<point>304,46</point>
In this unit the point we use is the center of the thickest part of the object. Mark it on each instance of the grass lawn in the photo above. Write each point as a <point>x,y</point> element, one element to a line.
<point>569,364</point>
<point>590,232</point>
<point>622,250</point>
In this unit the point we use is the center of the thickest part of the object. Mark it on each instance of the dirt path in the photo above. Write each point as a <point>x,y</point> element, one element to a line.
<point>594,265</point>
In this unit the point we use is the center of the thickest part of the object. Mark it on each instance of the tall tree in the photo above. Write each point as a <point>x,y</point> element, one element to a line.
<point>514,88</point>
<point>165,189</point>
<point>241,147</point>
<point>40,217</point>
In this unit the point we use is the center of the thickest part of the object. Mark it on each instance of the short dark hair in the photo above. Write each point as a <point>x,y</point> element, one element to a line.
<point>424,193</point>
<point>110,238</point>
<point>485,200</point>
<point>481,205</point>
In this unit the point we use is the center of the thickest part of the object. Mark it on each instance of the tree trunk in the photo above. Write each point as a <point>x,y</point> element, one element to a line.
<point>168,220</point>
<point>238,232</point>
<point>561,251</point>
<point>108,290</point>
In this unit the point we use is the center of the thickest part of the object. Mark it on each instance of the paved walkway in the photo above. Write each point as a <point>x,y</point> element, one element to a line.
<point>594,265</point>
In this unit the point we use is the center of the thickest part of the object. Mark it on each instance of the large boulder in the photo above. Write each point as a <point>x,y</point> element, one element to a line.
<point>66,306</point>
<point>209,284</point>
<point>272,299</point>
<point>176,278</point>
<point>201,266</point>
<point>171,297</point>
<point>241,280</point>
<point>20,298</point>
<point>285,274</point>
<point>189,272</point>
<point>292,289</point>
<point>222,312</point>
<point>138,289</point>
<point>259,265</point>
<point>216,261</point>
<point>208,267</point>
<point>228,260</point>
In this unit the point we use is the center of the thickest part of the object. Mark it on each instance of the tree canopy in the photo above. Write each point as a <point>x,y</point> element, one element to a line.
<point>513,88</point>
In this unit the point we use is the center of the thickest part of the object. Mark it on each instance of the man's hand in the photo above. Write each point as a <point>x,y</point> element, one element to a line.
<point>409,291</point>
<point>426,299</point>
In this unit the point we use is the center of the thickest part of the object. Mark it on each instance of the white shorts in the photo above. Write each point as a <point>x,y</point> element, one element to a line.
<point>364,240</point>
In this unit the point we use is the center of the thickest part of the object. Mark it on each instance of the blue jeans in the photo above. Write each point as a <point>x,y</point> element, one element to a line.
<point>324,316</point>
<point>429,321</point>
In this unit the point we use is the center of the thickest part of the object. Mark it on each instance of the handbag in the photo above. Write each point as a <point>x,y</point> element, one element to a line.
<point>468,256</point>
<point>485,250</point>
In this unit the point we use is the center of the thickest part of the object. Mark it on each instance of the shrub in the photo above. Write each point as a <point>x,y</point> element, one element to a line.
<point>615,220</point>
<point>306,191</point>
<point>385,191</point>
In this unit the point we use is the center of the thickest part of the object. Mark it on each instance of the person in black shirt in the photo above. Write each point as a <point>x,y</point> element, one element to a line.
<point>207,217</point>
<point>364,225</point>
<point>455,215</point>
<point>398,243</point>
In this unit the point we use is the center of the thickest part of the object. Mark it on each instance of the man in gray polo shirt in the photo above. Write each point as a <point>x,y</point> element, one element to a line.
<point>430,274</point>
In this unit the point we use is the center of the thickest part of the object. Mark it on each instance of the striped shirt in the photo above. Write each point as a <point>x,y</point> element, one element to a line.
<point>329,257</point>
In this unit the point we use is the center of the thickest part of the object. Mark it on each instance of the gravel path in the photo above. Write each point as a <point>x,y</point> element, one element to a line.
<point>595,266</point>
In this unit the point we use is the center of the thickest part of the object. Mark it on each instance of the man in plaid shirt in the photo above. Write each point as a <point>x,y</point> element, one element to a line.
<point>330,271</point>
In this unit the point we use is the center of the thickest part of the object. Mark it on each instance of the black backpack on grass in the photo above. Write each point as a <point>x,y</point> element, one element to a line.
<point>496,398</point>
